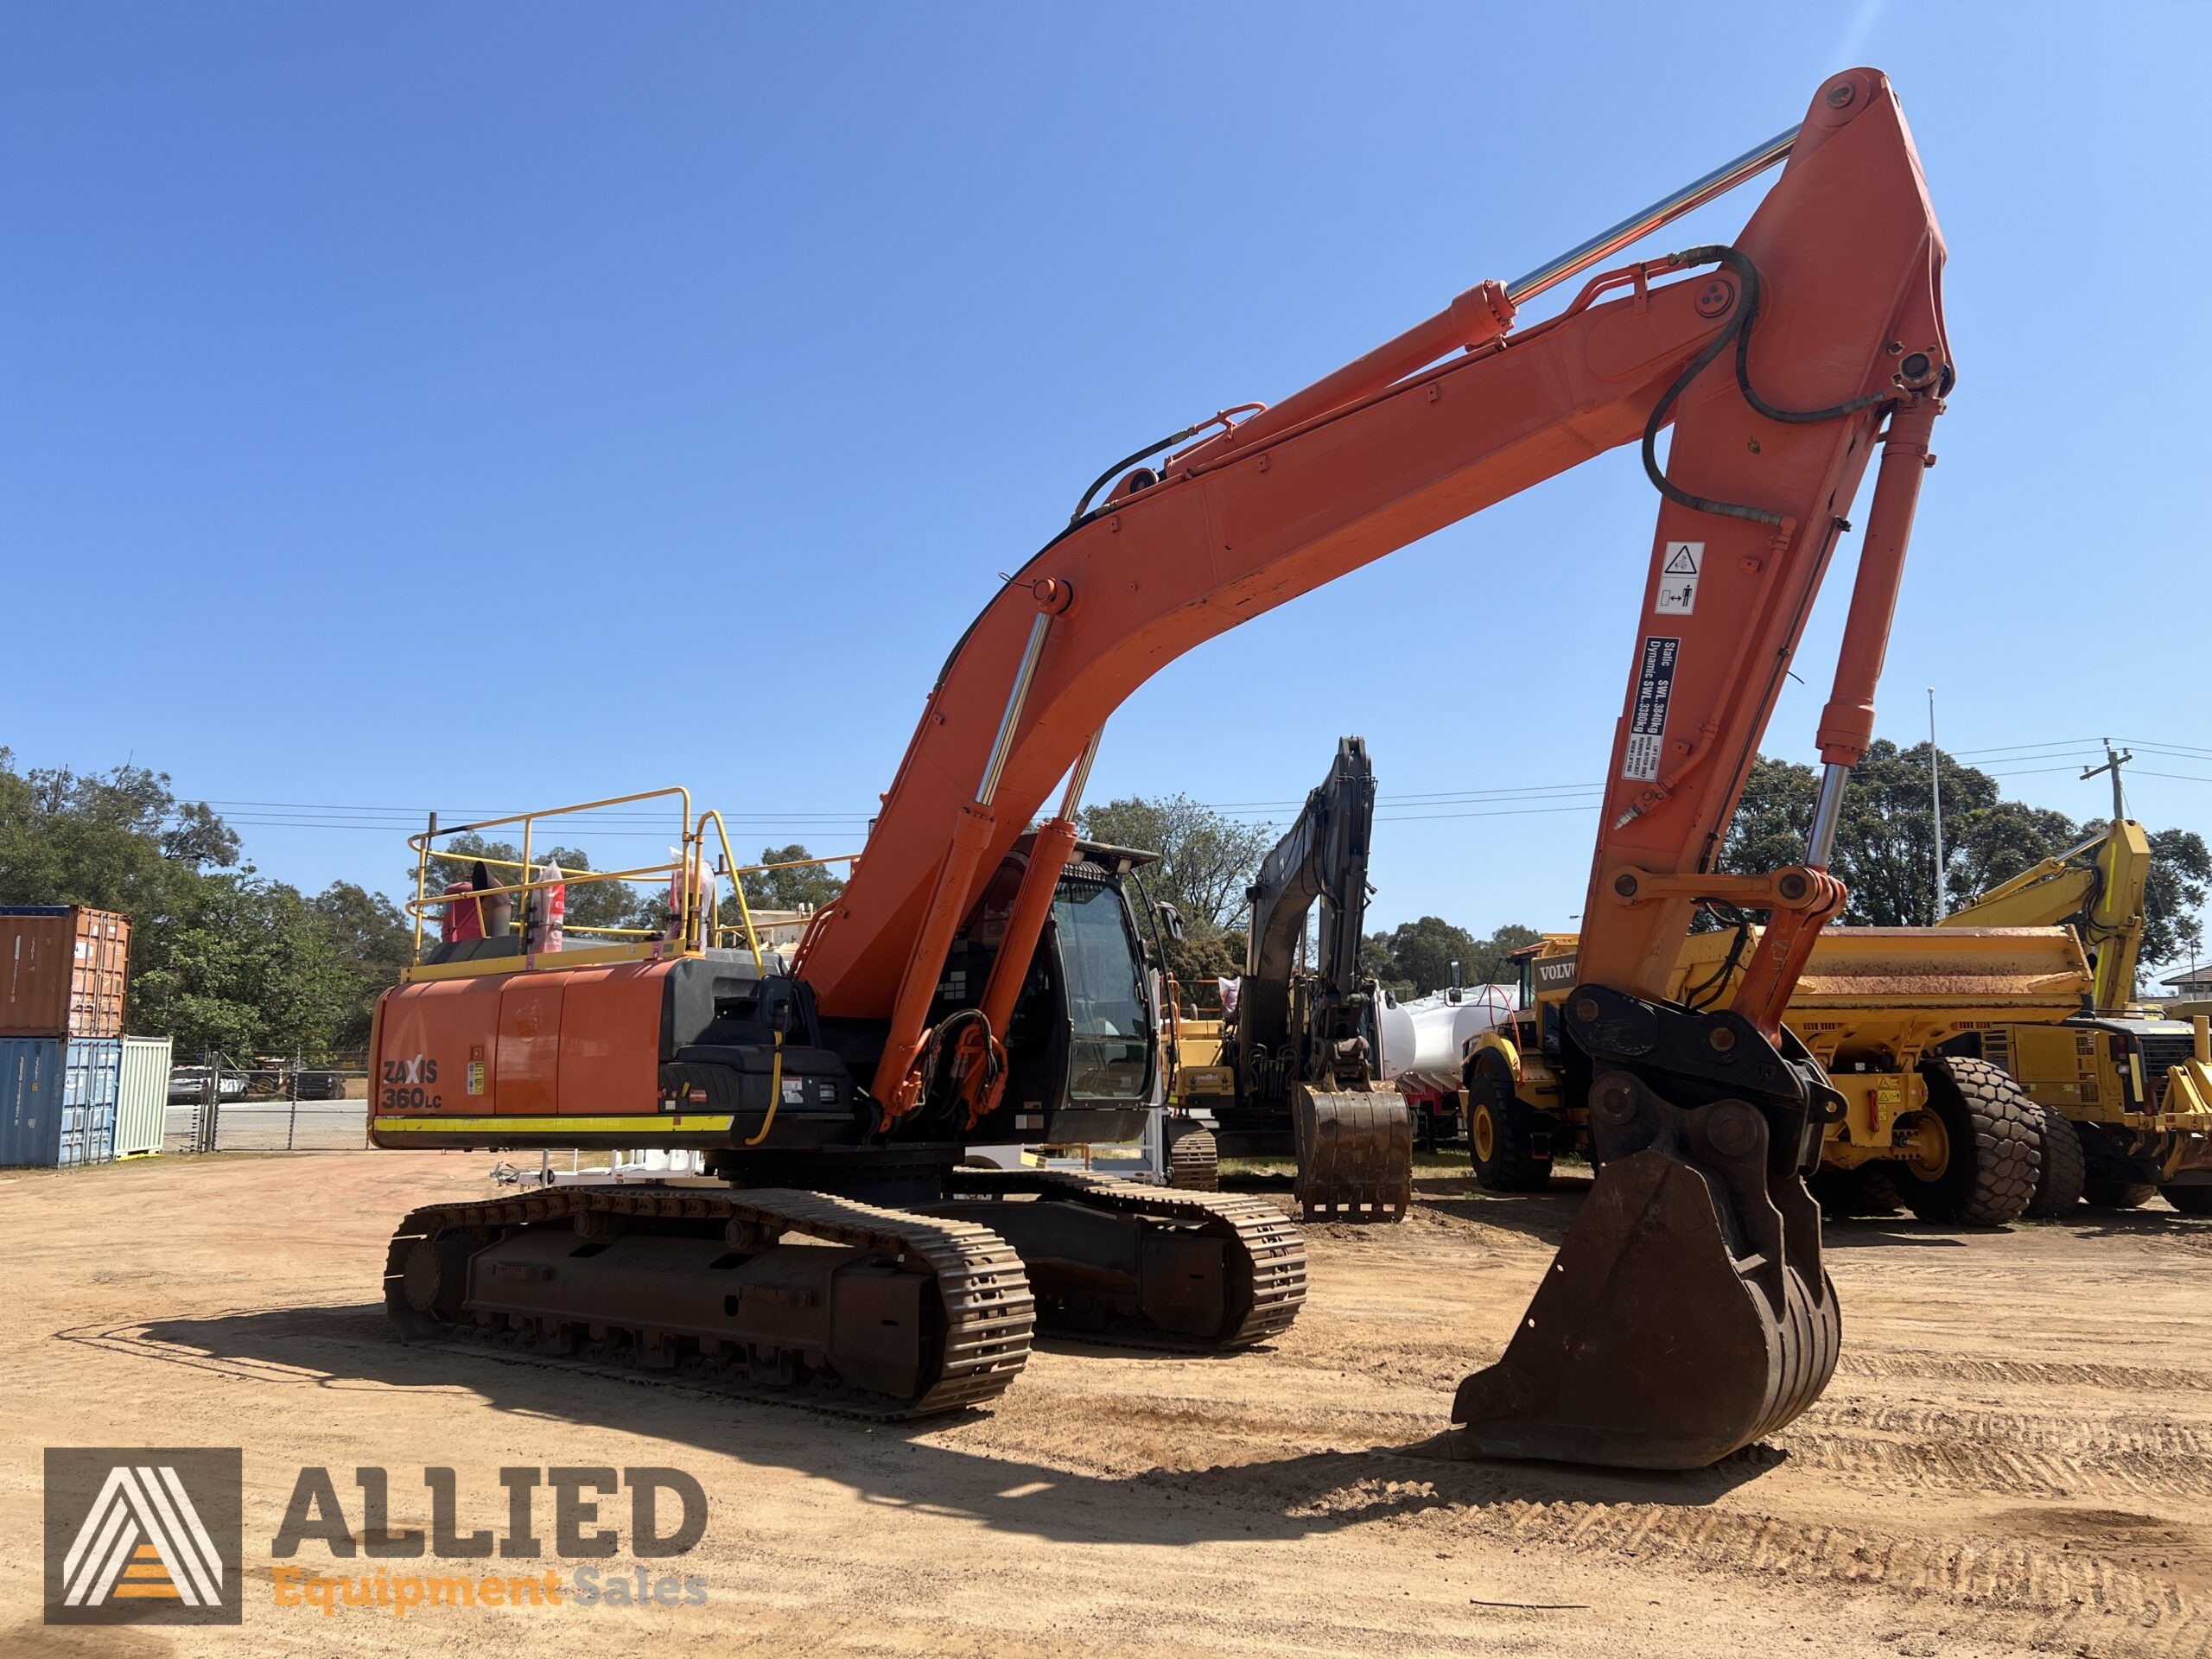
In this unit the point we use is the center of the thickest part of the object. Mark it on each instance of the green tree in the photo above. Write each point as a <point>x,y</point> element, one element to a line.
<point>1415,957</point>
<point>252,973</point>
<point>221,957</point>
<point>2173,899</point>
<point>1421,953</point>
<point>117,840</point>
<point>1207,861</point>
<point>807,887</point>
<point>370,941</point>
<point>1200,965</point>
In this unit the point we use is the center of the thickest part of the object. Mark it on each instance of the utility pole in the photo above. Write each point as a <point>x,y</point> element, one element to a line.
<point>1935,798</point>
<point>2114,762</point>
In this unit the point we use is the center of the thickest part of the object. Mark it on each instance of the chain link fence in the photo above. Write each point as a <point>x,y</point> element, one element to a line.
<point>215,1106</point>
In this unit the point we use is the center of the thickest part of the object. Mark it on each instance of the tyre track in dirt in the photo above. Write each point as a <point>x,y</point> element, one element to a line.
<point>2061,1374</point>
<point>2046,1591</point>
<point>1997,1452</point>
<point>2046,1597</point>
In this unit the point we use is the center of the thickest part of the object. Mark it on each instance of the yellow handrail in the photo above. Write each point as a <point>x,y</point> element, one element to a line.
<point>698,921</point>
<point>737,885</point>
<point>690,838</point>
<point>421,836</point>
<point>569,879</point>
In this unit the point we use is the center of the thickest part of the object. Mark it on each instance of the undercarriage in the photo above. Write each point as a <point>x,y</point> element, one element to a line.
<point>830,1302</point>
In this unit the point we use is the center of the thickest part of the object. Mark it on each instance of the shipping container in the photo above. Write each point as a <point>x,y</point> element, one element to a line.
<point>63,970</point>
<point>143,1097</point>
<point>58,1099</point>
<point>91,1079</point>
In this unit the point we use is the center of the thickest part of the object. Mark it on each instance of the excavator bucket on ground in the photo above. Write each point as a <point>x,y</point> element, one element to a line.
<point>1686,1313</point>
<point>1653,1342</point>
<point>1354,1153</point>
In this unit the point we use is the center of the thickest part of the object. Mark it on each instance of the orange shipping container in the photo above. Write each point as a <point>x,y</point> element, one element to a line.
<point>63,970</point>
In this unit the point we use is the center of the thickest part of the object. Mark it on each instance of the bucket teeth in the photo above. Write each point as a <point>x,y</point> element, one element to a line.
<point>1355,1153</point>
<point>1654,1342</point>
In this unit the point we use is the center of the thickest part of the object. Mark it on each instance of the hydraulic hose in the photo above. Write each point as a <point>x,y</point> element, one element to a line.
<point>1739,331</point>
<point>775,1092</point>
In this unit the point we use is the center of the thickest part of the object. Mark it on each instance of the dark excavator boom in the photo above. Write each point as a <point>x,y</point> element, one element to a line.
<point>1300,1048</point>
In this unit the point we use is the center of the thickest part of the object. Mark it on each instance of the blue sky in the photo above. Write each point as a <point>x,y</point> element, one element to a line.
<point>472,407</point>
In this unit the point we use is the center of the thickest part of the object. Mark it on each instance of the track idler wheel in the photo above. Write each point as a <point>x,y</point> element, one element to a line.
<point>1355,1153</point>
<point>1686,1313</point>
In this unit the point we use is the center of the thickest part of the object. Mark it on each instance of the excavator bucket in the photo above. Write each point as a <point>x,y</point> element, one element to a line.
<point>1656,1339</point>
<point>1686,1313</point>
<point>1354,1153</point>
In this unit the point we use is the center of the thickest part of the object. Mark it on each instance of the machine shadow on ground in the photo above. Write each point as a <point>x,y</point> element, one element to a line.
<point>917,1466</point>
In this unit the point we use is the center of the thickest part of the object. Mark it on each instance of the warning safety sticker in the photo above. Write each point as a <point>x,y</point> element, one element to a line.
<point>1654,687</point>
<point>1680,566</point>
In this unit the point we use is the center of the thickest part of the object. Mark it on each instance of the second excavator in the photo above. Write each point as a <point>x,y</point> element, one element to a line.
<point>979,978</point>
<point>1299,1055</point>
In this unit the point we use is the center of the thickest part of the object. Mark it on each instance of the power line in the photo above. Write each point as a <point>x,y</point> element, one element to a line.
<point>630,822</point>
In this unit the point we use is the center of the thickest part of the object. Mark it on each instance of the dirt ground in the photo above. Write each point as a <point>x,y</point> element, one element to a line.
<point>2015,1457</point>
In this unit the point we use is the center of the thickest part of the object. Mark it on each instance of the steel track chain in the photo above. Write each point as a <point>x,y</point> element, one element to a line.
<point>981,1284</point>
<point>1273,1244</point>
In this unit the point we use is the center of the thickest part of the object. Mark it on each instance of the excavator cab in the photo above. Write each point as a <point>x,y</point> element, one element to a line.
<point>1082,1050</point>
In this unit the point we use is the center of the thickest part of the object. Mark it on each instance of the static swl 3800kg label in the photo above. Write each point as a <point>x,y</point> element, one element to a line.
<point>1655,688</point>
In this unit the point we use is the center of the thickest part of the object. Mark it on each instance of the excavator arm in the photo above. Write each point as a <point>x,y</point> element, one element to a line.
<point>1300,1051</point>
<point>2098,887</point>
<point>1687,1312</point>
<point>1322,858</point>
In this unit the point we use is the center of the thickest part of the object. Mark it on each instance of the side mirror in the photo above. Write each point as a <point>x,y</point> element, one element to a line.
<point>1171,920</point>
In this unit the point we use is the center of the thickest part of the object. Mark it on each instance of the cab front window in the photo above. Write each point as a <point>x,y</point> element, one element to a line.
<point>1108,1015</point>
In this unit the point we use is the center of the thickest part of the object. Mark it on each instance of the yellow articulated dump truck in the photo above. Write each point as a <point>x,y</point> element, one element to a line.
<point>2127,1091</point>
<point>1897,1015</point>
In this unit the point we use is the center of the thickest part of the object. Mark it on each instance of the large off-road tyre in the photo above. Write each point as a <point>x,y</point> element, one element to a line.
<point>2110,1193</point>
<point>1867,1190</point>
<point>1990,1150</point>
<point>1501,1132</point>
<point>2065,1167</point>
<point>2189,1200</point>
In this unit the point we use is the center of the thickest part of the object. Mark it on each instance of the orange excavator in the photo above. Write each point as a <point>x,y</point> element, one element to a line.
<point>980,980</point>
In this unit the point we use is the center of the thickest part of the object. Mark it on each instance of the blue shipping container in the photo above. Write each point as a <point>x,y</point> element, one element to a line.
<point>58,1099</point>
